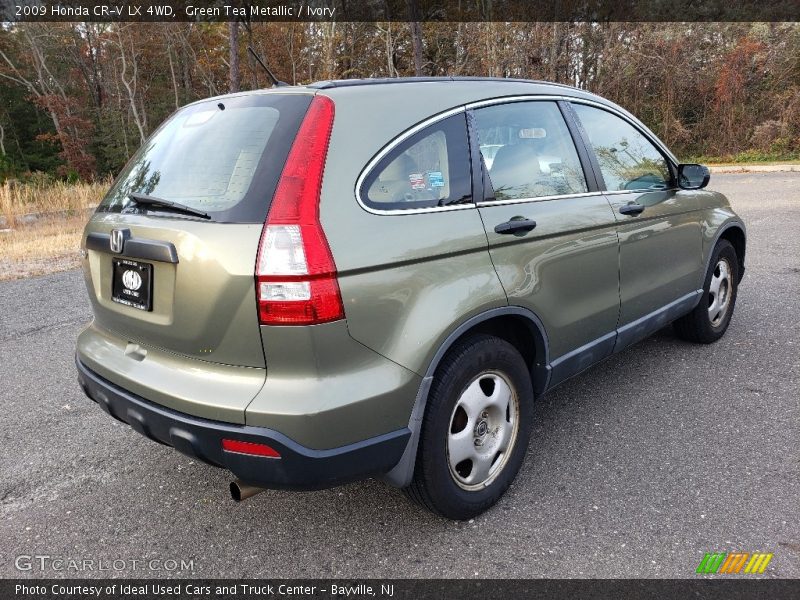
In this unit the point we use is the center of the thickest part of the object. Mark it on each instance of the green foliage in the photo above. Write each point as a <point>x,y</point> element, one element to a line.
<point>7,167</point>
<point>38,179</point>
<point>746,157</point>
<point>113,143</point>
<point>25,126</point>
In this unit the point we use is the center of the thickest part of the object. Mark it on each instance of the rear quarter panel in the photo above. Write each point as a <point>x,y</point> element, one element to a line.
<point>407,280</point>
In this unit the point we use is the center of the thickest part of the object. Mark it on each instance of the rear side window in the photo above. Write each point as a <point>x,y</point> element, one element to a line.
<point>430,168</point>
<point>528,151</point>
<point>223,157</point>
<point>628,160</point>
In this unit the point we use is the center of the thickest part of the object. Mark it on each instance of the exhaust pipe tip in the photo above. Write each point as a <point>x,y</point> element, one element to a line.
<point>242,491</point>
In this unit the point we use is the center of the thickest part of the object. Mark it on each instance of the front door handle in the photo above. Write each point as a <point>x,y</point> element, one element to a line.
<point>516,226</point>
<point>632,208</point>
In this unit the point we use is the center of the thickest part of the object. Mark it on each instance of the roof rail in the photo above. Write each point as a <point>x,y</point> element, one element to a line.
<point>338,83</point>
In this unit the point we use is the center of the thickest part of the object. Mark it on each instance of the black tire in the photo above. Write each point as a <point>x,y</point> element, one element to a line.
<point>472,361</point>
<point>698,325</point>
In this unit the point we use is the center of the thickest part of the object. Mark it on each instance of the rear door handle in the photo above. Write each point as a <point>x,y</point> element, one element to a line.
<point>517,225</point>
<point>632,208</point>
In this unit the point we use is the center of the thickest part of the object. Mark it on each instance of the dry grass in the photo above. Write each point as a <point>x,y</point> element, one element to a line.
<point>53,198</point>
<point>43,225</point>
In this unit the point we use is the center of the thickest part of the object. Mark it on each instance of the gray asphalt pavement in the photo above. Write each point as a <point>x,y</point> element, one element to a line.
<point>637,467</point>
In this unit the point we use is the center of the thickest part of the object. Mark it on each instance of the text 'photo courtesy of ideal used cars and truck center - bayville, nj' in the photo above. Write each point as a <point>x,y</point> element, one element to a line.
<point>415,298</point>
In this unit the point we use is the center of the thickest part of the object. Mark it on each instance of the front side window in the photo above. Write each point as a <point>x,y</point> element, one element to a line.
<point>528,151</point>
<point>430,168</point>
<point>628,160</point>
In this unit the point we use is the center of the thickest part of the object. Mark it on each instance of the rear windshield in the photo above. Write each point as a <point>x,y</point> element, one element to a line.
<point>223,157</point>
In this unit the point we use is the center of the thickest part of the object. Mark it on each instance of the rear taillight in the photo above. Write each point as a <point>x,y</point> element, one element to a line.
<point>295,273</point>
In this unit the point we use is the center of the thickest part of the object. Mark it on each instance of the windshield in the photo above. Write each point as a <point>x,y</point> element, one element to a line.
<point>222,157</point>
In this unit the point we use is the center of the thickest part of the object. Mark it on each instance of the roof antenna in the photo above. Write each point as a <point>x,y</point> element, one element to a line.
<point>275,81</point>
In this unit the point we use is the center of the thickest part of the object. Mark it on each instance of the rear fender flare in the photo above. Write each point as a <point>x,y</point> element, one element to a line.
<point>400,475</point>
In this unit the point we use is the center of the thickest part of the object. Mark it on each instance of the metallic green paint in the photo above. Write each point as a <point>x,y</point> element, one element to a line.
<point>564,270</point>
<point>324,389</point>
<point>428,273</point>
<point>196,387</point>
<point>407,282</point>
<point>660,255</point>
<point>204,307</point>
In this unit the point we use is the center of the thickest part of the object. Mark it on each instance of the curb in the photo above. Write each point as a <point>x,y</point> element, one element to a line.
<point>755,169</point>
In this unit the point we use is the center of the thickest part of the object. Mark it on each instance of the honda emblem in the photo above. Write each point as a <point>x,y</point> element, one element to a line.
<point>117,241</point>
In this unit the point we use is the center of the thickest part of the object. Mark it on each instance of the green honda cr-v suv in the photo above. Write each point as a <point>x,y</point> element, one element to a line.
<point>311,285</point>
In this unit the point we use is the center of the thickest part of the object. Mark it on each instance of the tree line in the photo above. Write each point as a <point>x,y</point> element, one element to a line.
<point>77,99</point>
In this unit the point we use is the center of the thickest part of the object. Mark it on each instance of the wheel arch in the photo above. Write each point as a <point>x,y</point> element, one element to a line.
<point>521,327</point>
<point>735,234</point>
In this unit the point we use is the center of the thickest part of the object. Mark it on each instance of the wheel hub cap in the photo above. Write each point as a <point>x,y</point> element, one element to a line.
<point>719,292</point>
<point>483,429</point>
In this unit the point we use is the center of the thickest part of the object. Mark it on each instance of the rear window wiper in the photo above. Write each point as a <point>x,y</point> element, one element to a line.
<point>168,204</point>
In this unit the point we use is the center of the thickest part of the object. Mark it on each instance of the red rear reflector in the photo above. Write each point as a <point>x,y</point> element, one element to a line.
<point>250,448</point>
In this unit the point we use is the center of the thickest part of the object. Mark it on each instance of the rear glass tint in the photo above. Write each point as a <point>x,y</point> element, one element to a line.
<point>223,157</point>
<point>430,168</point>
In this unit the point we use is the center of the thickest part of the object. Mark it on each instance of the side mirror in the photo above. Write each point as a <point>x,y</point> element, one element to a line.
<point>693,177</point>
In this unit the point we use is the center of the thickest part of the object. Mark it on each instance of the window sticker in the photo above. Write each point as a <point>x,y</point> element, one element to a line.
<point>417,181</point>
<point>435,179</point>
<point>532,133</point>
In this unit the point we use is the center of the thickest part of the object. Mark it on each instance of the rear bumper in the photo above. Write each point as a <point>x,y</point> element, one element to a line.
<point>298,467</point>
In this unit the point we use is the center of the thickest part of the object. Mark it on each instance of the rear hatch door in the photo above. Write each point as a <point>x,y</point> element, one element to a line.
<point>171,250</point>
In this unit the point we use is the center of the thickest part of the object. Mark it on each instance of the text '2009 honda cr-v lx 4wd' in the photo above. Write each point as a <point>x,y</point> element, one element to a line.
<point>312,285</point>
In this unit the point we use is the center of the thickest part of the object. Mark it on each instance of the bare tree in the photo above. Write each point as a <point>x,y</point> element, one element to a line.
<point>48,91</point>
<point>129,76</point>
<point>416,35</point>
<point>168,37</point>
<point>233,72</point>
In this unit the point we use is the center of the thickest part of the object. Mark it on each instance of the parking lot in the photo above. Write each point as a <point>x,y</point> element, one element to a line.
<point>637,467</point>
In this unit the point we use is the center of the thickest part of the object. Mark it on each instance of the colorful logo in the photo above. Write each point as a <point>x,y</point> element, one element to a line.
<point>720,562</point>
